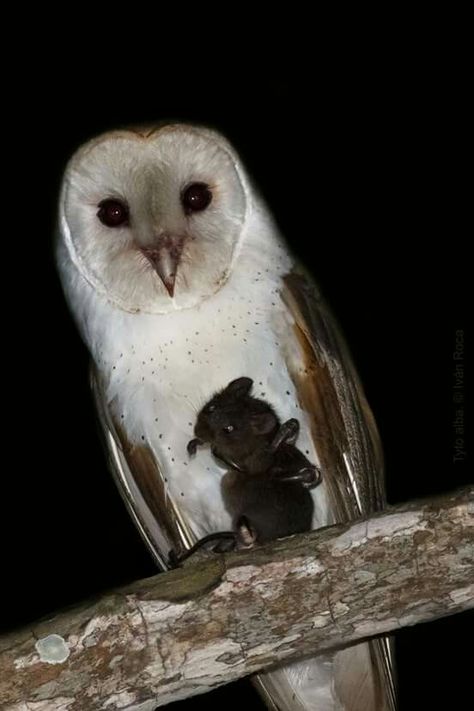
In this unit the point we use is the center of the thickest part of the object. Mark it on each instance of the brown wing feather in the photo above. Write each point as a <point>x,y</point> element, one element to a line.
<point>317,396</point>
<point>141,484</point>
<point>345,437</point>
<point>328,360</point>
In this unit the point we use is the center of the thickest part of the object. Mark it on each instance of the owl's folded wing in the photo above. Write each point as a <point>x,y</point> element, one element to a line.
<point>350,456</point>
<point>329,389</point>
<point>141,485</point>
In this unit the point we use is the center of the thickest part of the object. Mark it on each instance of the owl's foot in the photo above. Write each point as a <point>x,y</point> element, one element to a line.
<point>226,542</point>
<point>226,545</point>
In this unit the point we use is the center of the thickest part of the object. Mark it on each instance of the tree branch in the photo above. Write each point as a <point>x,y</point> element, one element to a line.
<point>187,631</point>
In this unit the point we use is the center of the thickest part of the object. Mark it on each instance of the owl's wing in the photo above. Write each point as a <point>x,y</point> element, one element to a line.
<point>350,456</point>
<point>141,484</point>
<point>329,389</point>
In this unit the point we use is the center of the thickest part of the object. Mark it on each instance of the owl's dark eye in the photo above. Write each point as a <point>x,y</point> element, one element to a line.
<point>228,428</point>
<point>113,213</point>
<point>196,197</point>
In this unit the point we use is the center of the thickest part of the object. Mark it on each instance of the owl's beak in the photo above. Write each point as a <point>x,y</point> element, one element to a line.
<point>164,255</point>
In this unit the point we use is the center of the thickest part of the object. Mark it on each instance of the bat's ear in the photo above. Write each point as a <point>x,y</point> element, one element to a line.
<point>240,387</point>
<point>263,423</point>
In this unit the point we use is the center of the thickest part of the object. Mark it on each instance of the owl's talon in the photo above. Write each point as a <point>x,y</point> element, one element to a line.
<point>225,545</point>
<point>224,537</point>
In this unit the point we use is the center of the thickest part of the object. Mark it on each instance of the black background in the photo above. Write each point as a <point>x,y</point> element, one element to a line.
<point>362,171</point>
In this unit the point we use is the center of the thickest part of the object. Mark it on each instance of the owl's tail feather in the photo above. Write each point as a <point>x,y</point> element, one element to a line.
<point>347,680</point>
<point>302,686</point>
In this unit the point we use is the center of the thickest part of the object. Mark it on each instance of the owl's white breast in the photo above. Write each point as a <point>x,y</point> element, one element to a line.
<point>160,369</point>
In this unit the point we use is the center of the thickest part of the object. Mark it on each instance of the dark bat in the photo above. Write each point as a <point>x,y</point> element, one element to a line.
<point>245,433</point>
<point>265,490</point>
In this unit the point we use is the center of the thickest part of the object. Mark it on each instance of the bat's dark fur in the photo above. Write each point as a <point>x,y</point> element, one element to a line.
<point>265,489</point>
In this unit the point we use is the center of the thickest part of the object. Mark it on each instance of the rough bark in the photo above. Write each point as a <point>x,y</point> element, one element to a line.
<point>187,631</point>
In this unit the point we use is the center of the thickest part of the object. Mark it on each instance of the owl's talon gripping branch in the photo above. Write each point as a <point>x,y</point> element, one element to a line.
<point>226,542</point>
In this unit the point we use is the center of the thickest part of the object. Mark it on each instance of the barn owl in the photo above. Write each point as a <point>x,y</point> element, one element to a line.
<point>179,283</point>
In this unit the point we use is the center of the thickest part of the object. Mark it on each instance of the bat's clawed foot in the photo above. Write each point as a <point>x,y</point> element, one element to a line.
<point>193,445</point>
<point>287,434</point>
<point>246,533</point>
<point>309,477</point>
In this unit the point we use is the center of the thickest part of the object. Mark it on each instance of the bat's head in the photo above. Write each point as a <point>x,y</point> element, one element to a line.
<point>152,218</point>
<point>236,424</point>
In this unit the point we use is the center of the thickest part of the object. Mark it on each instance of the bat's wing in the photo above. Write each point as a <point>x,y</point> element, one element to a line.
<point>350,455</point>
<point>141,484</point>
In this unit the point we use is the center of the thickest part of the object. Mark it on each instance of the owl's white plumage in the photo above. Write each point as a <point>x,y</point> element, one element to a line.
<point>160,358</point>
